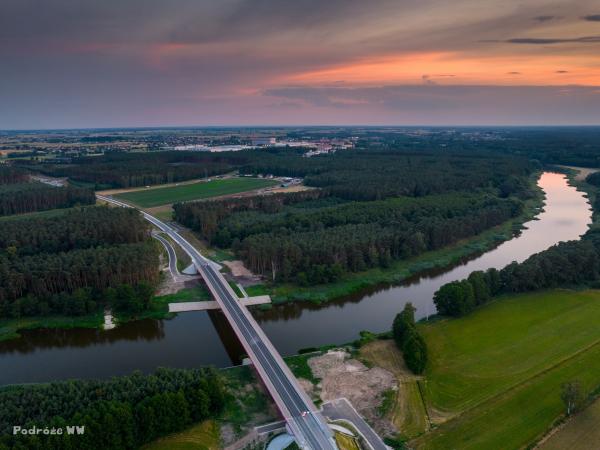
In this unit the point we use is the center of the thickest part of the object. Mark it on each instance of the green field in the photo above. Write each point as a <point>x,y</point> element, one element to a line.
<point>148,198</point>
<point>495,375</point>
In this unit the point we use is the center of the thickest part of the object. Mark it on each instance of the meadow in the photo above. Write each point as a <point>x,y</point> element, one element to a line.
<point>494,378</point>
<point>151,197</point>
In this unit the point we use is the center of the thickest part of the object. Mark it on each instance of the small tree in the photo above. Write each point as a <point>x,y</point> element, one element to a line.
<point>571,396</point>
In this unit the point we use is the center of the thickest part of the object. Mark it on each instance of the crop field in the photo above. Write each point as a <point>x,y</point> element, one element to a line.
<point>495,376</point>
<point>151,197</point>
<point>580,433</point>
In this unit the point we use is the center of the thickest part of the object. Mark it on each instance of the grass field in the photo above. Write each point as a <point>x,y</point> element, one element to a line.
<point>496,374</point>
<point>147,198</point>
<point>582,432</point>
<point>408,411</point>
<point>203,436</point>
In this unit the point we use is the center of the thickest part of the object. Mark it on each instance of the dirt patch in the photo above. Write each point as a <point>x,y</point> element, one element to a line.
<point>238,269</point>
<point>583,172</point>
<point>343,376</point>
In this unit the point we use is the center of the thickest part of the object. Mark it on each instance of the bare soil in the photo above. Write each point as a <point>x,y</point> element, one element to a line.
<point>343,376</point>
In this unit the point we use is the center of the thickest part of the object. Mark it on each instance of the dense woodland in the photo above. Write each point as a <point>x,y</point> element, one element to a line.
<point>125,170</point>
<point>371,208</point>
<point>120,413</point>
<point>76,262</point>
<point>28,197</point>
<point>12,175</point>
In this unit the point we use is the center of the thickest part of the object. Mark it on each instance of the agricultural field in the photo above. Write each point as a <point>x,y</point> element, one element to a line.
<point>580,433</point>
<point>494,378</point>
<point>151,197</point>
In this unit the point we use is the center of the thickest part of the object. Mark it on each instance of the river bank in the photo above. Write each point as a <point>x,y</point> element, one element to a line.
<point>402,271</point>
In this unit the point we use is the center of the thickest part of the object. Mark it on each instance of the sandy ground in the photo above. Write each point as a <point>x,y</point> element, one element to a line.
<point>583,171</point>
<point>343,376</point>
<point>238,269</point>
<point>171,283</point>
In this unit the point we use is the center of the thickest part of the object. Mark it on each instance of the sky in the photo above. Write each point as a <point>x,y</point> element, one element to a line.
<point>126,63</point>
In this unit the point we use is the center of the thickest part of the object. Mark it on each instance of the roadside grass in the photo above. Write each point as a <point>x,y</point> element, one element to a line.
<point>194,294</point>
<point>147,198</point>
<point>236,289</point>
<point>345,442</point>
<point>404,407</point>
<point>246,404</point>
<point>202,436</point>
<point>257,289</point>
<point>9,328</point>
<point>496,374</point>
<point>581,432</point>
<point>298,364</point>
<point>183,259</point>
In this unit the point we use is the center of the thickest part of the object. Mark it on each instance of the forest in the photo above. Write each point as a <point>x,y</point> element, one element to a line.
<point>370,209</point>
<point>123,170</point>
<point>121,413</point>
<point>76,262</point>
<point>27,197</point>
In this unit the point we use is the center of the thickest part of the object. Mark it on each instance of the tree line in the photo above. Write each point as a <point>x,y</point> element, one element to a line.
<point>121,413</point>
<point>120,169</point>
<point>409,341</point>
<point>317,240</point>
<point>23,198</point>
<point>12,175</point>
<point>76,229</point>
<point>567,263</point>
<point>77,262</point>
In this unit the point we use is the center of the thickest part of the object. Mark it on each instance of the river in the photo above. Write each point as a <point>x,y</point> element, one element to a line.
<point>200,338</point>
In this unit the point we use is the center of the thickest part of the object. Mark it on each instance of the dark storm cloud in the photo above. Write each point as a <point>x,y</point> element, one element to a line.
<point>545,18</point>
<point>592,18</point>
<point>513,73</point>
<point>545,41</point>
<point>561,71</point>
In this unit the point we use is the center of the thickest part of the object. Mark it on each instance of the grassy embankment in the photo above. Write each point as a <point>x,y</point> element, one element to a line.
<point>401,270</point>
<point>203,436</point>
<point>406,409</point>
<point>148,198</point>
<point>494,377</point>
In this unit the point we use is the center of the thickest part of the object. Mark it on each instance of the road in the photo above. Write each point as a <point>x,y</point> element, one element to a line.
<point>304,420</point>
<point>172,255</point>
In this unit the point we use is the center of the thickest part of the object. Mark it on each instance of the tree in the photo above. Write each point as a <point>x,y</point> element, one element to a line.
<point>403,324</point>
<point>414,350</point>
<point>571,396</point>
<point>481,290</point>
<point>455,298</point>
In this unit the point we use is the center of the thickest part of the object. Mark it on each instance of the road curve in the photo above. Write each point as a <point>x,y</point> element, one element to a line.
<point>304,420</point>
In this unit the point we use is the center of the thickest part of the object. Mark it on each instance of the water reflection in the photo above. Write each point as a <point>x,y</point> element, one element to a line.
<point>201,338</point>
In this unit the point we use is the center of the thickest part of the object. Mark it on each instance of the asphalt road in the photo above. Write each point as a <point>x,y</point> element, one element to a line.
<point>306,423</point>
<point>171,252</point>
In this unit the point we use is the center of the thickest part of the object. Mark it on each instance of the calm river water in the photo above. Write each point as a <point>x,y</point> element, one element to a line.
<point>201,338</point>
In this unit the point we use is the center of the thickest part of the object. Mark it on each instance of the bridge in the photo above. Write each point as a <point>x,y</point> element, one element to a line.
<point>303,419</point>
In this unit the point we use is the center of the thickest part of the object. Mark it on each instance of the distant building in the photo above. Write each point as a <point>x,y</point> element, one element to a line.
<point>263,141</point>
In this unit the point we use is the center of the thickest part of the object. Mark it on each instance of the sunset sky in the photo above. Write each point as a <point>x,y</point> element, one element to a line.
<point>113,63</point>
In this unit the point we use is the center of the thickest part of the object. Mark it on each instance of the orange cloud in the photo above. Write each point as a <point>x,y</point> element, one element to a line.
<point>455,68</point>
